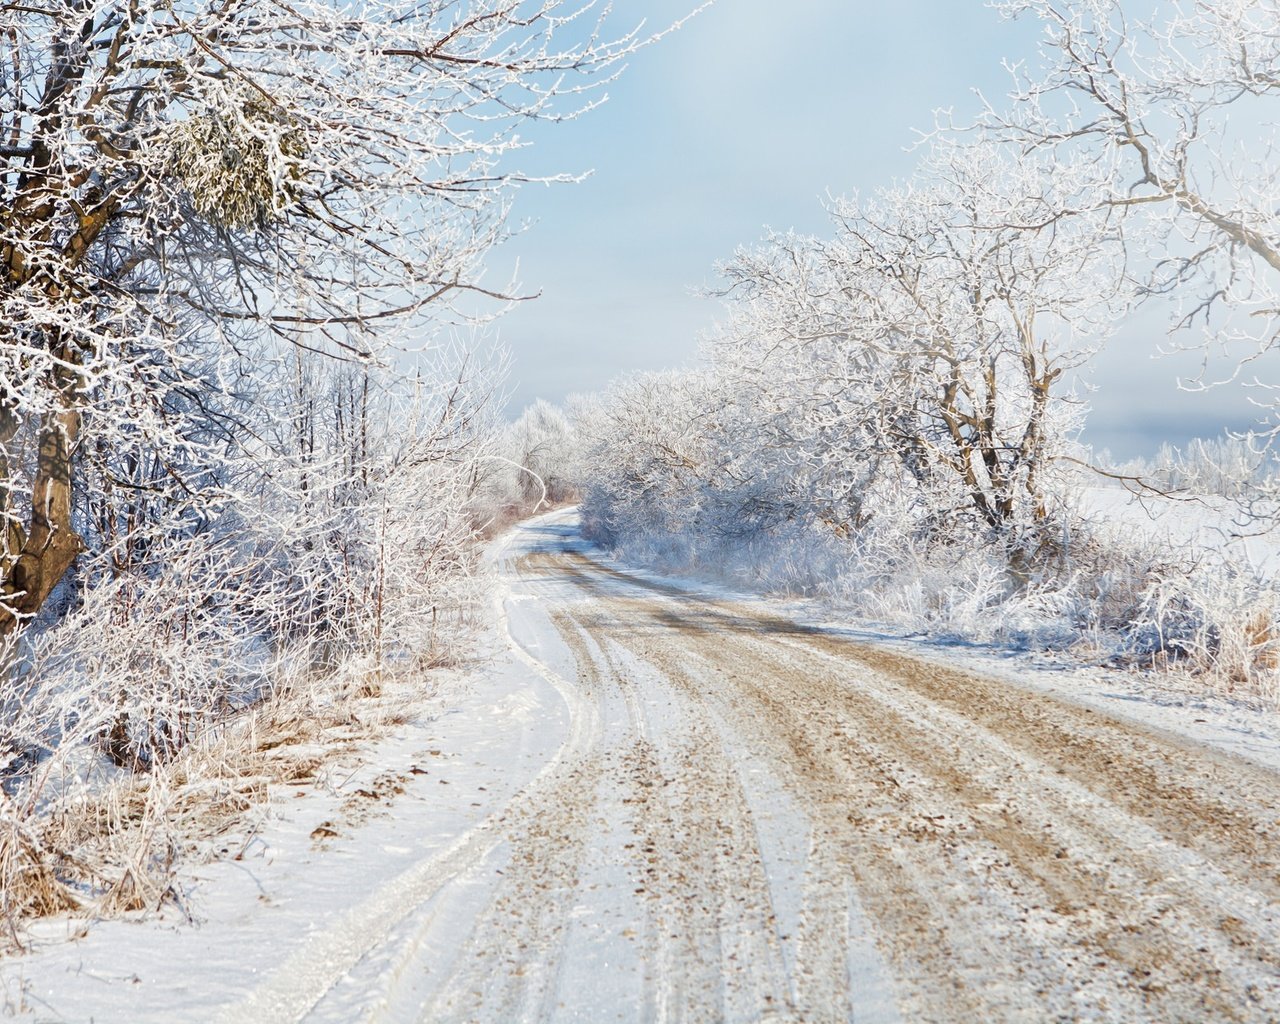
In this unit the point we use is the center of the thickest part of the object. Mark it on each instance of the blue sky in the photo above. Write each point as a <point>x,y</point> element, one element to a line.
<point>745,120</point>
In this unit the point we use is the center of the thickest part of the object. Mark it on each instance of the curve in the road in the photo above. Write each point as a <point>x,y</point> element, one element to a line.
<point>755,820</point>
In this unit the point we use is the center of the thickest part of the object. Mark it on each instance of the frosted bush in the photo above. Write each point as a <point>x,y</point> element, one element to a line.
<point>155,658</point>
<point>1221,619</point>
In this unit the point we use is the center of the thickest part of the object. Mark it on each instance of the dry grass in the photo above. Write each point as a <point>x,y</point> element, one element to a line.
<point>1260,636</point>
<point>103,844</point>
<point>31,872</point>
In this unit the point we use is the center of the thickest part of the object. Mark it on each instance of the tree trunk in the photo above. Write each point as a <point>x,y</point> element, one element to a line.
<point>33,567</point>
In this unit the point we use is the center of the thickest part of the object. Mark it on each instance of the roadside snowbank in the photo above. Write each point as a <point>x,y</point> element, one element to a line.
<point>329,868</point>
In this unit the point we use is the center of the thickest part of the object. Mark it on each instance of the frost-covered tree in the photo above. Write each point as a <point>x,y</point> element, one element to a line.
<point>928,339</point>
<point>541,443</point>
<point>901,382</point>
<point>652,447</point>
<point>186,188</point>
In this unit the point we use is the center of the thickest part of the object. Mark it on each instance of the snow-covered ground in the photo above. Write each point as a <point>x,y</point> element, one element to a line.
<point>1199,522</point>
<point>663,800</point>
<point>336,869</point>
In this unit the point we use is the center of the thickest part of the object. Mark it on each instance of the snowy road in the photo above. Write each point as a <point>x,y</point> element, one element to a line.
<point>751,820</point>
<point>670,806</point>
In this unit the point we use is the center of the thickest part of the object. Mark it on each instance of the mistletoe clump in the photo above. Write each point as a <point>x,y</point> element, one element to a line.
<point>239,166</point>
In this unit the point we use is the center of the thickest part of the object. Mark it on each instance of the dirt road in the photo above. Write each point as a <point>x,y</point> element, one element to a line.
<point>758,821</point>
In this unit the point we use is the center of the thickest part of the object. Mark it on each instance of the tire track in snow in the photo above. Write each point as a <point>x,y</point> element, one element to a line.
<point>710,927</point>
<point>830,946</point>
<point>509,964</point>
<point>304,979</point>
<point>822,946</point>
<point>1176,786</point>
<point>1172,886</point>
<point>944,826</point>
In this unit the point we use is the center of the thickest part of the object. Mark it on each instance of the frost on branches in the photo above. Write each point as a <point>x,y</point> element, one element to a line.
<point>185,189</point>
<point>925,344</point>
<point>219,225</point>
<point>1173,105</point>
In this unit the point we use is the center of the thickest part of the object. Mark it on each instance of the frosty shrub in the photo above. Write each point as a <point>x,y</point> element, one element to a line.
<point>366,524</point>
<point>1220,618</point>
<point>156,656</point>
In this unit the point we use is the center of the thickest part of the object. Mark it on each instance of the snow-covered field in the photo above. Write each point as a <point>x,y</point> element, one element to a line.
<point>667,801</point>
<point>1202,522</point>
